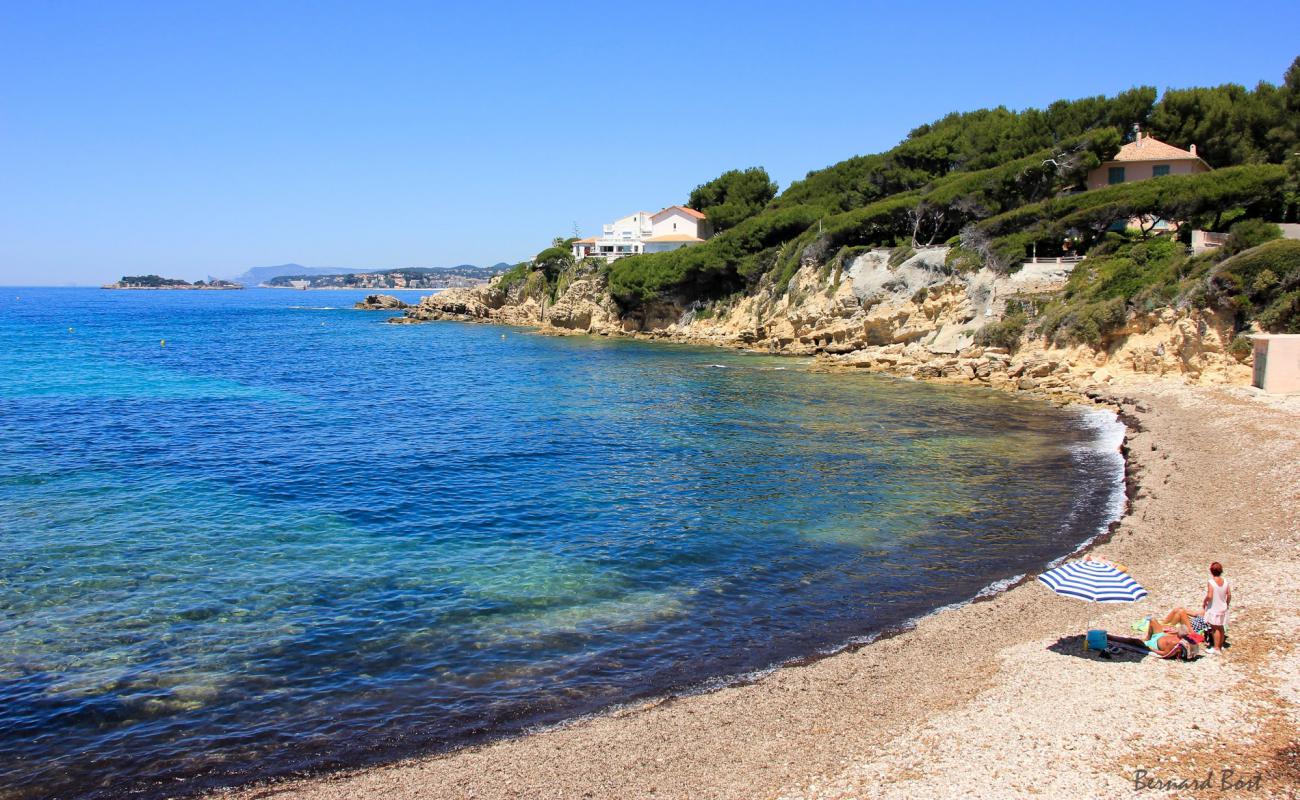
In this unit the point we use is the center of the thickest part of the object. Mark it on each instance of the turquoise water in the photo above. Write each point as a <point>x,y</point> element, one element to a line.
<point>294,537</point>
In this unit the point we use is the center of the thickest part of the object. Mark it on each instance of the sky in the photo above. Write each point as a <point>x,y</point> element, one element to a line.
<point>192,139</point>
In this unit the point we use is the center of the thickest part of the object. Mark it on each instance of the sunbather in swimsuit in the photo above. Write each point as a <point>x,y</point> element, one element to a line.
<point>1193,622</point>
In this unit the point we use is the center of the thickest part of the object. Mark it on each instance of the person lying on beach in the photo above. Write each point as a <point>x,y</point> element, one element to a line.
<point>1163,643</point>
<point>1181,616</point>
<point>1158,641</point>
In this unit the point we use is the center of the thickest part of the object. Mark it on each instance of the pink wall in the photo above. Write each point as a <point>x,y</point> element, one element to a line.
<point>1099,178</point>
<point>1277,362</point>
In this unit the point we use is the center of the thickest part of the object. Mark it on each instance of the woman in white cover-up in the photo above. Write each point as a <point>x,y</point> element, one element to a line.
<point>1218,597</point>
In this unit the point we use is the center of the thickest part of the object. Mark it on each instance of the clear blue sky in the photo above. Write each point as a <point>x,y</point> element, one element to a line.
<point>189,138</point>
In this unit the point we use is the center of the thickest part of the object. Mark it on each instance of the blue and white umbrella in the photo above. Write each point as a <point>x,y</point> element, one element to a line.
<point>1093,581</point>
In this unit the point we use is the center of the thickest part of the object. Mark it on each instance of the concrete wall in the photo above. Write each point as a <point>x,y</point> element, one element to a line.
<point>1277,363</point>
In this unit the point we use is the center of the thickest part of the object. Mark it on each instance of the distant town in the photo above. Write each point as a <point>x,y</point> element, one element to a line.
<point>414,278</point>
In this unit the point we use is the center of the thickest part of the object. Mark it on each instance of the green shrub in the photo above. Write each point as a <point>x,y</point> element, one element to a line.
<point>515,275</point>
<point>553,261</point>
<point>1264,279</point>
<point>1249,233</point>
<point>1240,347</point>
<point>1084,323</point>
<point>1003,333</point>
<point>1283,314</point>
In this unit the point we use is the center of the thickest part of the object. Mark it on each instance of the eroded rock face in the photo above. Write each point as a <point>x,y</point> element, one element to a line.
<point>918,318</point>
<point>463,304</point>
<point>584,307</point>
<point>380,302</point>
<point>867,304</point>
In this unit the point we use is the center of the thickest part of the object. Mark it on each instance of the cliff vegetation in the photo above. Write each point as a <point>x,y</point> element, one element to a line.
<point>972,250</point>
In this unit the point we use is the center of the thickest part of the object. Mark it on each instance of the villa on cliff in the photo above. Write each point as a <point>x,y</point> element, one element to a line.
<point>1144,158</point>
<point>643,232</point>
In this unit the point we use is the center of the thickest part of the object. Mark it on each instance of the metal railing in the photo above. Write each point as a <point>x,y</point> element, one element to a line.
<point>1054,260</point>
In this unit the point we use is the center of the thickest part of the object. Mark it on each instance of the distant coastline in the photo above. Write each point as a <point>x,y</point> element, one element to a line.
<point>204,288</point>
<point>431,290</point>
<point>158,282</point>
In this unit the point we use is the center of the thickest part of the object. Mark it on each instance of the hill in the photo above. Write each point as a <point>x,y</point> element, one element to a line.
<point>256,275</point>
<point>976,233</point>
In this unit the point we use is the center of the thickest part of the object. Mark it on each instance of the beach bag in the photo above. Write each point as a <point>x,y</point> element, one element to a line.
<point>1096,640</point>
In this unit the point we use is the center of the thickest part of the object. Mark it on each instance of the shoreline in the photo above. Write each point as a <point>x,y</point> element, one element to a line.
<point>514,765</point>
<point>797,732</point>
<point>1099,422</point>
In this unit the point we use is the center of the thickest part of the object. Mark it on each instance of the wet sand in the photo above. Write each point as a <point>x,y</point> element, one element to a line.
<point>993,699</point>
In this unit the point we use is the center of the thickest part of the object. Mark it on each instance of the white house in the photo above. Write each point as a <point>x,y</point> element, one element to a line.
<point>643,232</point>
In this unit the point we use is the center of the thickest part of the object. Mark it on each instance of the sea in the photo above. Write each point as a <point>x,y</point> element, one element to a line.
<point>247,534</point>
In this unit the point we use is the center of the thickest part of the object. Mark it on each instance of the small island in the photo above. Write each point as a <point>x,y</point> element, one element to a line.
<point>156,282</point>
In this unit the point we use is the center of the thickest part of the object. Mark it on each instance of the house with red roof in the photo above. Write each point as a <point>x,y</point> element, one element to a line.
<point>1144,158</point>
<point>644,232</point>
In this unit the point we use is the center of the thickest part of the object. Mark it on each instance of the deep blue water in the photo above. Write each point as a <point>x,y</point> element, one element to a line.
<point>293,536</point>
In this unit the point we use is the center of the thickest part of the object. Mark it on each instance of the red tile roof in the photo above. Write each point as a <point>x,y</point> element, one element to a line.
<point>1149,149</point>
<point>689,211</point>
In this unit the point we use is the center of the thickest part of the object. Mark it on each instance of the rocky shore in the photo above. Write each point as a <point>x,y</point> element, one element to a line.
<point>916,318</point>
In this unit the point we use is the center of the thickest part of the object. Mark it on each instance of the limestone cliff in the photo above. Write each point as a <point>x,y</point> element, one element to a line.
<point>918,317</point>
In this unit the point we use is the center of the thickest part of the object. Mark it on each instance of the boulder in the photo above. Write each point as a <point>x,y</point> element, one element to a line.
<point>380,302</point>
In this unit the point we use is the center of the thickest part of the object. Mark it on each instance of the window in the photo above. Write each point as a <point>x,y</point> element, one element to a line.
<point>1159,169</point>
<point>1116,175</point>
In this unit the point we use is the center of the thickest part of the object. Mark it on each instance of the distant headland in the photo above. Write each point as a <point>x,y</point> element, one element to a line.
<point>157,282</point>
<point>464,276</point>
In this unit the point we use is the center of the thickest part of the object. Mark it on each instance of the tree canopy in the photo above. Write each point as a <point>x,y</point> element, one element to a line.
<point>733,197</point>
<point>553,260</point>
<point>999,179</point>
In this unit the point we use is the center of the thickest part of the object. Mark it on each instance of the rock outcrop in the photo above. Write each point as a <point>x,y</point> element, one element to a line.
<point>917,318</point>
<point>381,302</point>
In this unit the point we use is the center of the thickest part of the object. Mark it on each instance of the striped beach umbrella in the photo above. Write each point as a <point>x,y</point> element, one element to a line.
<point>1093,581</point>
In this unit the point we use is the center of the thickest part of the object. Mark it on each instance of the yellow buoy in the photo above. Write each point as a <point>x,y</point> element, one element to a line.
<point>162,342</point>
